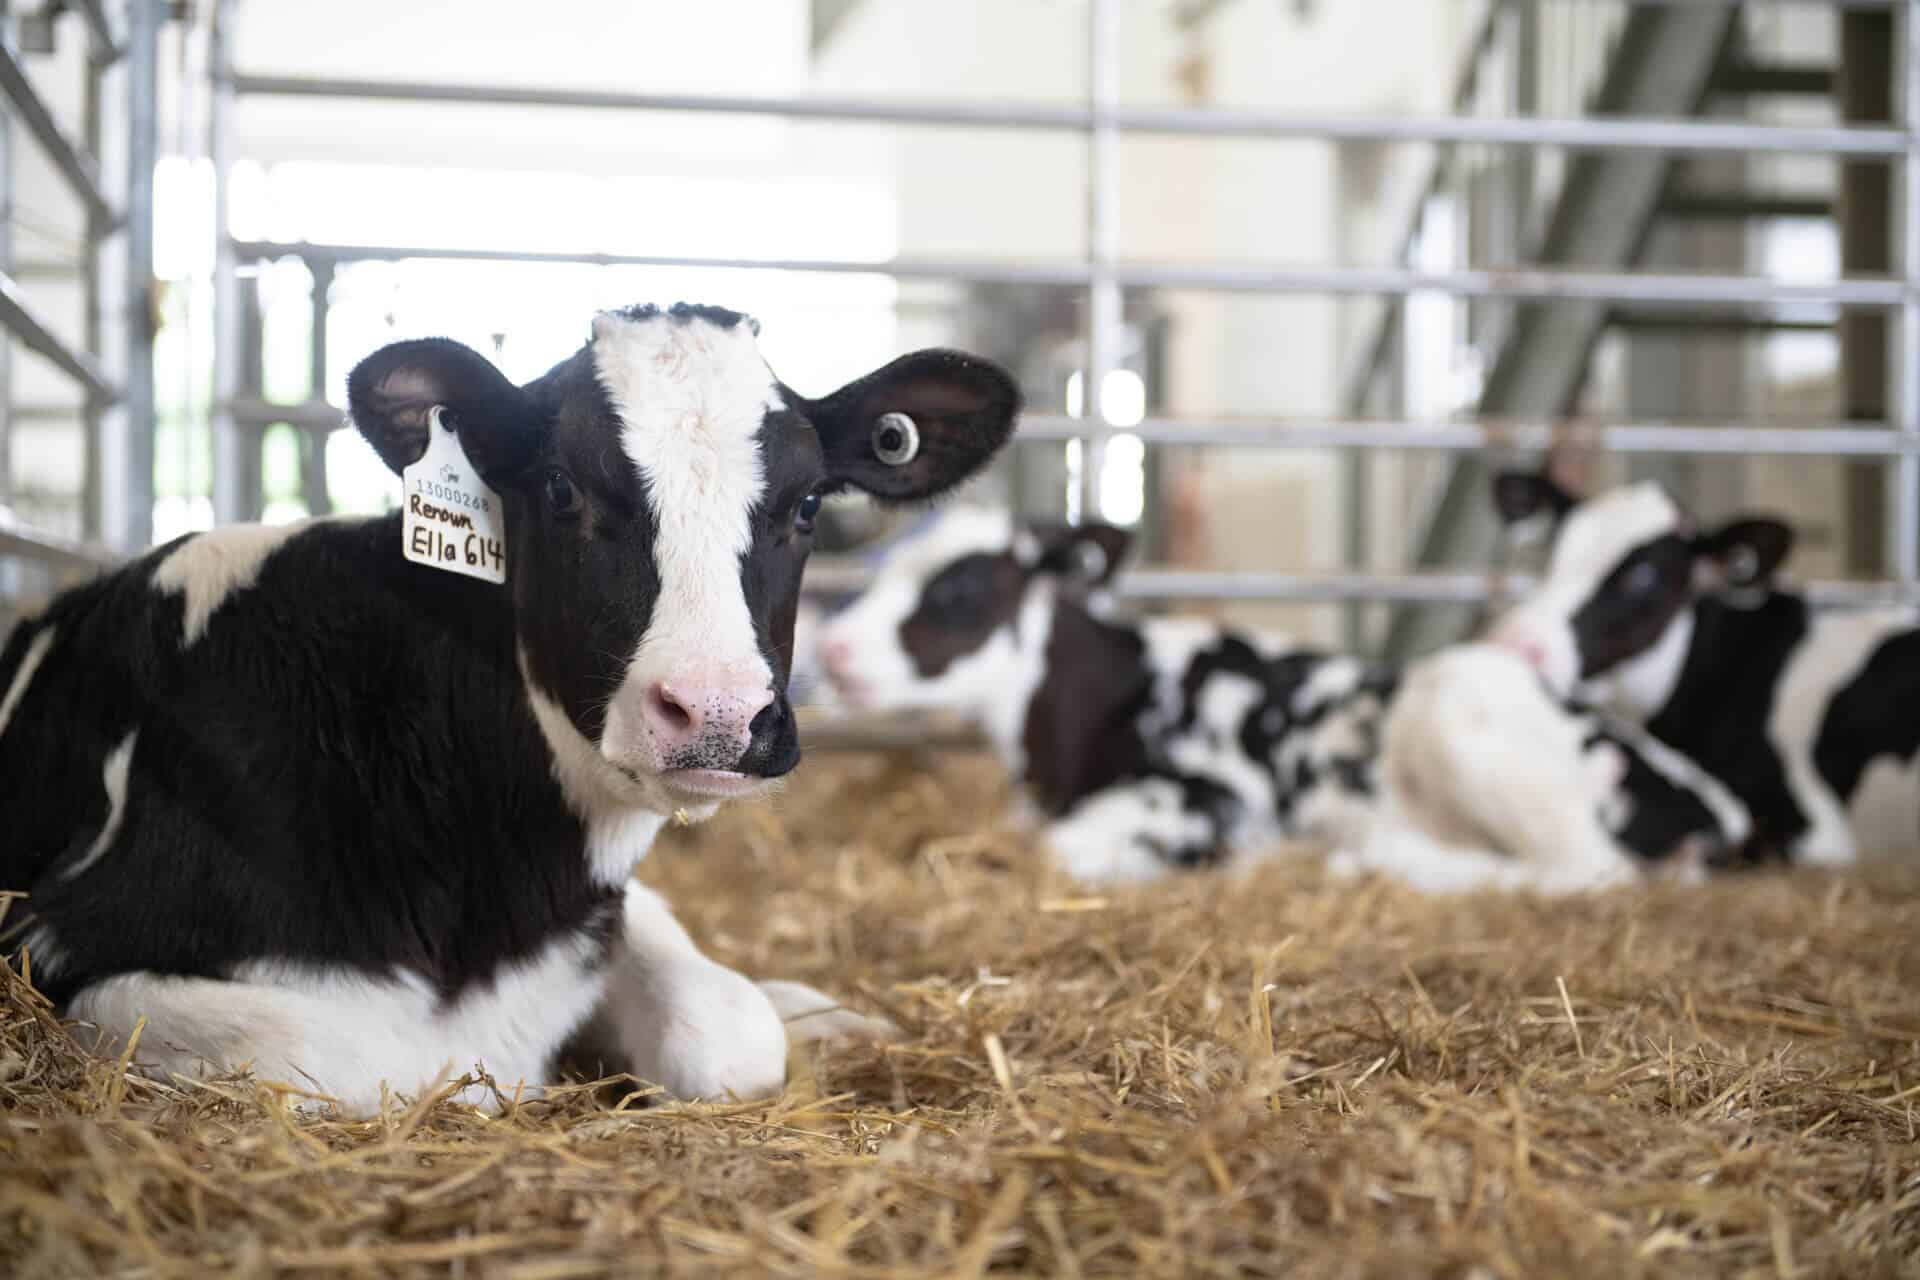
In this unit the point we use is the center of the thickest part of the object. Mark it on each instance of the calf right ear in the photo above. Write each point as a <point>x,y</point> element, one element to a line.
<point>390,392</point>
<point>917,427</point>
<point>1520,495</point>
<point>1089,554</point>
<point>1744,553</point>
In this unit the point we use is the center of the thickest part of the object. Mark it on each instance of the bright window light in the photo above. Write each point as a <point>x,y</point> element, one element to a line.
<point>1123,480</point>
<point>1123,397</point>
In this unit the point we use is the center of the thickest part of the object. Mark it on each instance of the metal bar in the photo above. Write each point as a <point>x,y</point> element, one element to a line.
<point>1734,204</point>
<point>1906,476</point>
<point>1518,282</point>
<point>1814,439</point>
<point>135,528</point>
<point>839,577</point>
<point>229,441</point>
<point>313,443</point>
<point>1105,302</point>
<point>93,318</point>
<point>80,169</point>
<point>18,318</point>
<point>21,540</point>
<point>1774,78</point>
<point>1844,439</point>
<point>10,412</point>
<point>1718,323</point>
<point>104,48</point>
<point>1574,132</point>
<point>314,415</point>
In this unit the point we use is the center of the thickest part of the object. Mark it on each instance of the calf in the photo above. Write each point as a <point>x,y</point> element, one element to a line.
<point>302,801</point>
<point>1811,719</point>
<point>1177,742</point>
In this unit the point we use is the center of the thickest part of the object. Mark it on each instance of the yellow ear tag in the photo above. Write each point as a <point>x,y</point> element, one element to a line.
<point>451,519</point>
<point>680,818</point>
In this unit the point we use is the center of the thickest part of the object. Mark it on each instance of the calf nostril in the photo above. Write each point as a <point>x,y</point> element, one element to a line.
<point>765,721</point>
<point>670,712</point>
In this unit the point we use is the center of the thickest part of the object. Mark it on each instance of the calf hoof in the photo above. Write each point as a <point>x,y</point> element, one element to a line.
<point>813,1016</point>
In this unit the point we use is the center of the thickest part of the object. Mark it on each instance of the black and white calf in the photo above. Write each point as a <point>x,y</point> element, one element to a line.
<point>302,803</point>
<point>1175,742</point>
<point>1811,718</point>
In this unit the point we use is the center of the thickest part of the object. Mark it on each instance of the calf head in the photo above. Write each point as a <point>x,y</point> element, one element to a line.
<point>660,487</point>
<point>1613,612</point>
<point>958,615</point>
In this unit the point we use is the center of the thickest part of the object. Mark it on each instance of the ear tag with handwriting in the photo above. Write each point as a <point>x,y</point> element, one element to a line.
<point>452,520</point>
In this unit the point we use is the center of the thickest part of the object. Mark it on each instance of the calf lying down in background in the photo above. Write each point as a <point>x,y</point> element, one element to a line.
<point>1811,717</point>
<point>357,802</point>
<point>1171,743</point>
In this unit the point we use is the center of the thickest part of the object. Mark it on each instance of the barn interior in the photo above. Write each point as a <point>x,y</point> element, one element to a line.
<point>1283,282</point>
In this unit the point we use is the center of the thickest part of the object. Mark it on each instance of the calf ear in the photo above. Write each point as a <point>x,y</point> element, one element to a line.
<point>917,427</point>
<point>1744,553</point>
<point>390,392</point>
<point>1519,495</point>
<point>1087,553</point>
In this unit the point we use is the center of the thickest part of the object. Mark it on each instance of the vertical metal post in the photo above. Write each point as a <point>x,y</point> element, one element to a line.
<point>92,321</point>
<point>135,526</point>
<point>6,266</point>
<point>313,440</point>
<point>1906,497</point>
<point>1104,310</point>
<point>229,437</point>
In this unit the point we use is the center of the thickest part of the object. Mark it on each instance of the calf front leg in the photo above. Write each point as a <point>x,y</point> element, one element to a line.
<point>1142,829</point>
<point>698,1029</point>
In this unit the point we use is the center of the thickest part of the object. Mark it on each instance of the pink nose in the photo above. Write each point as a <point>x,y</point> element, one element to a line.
<point>714,722</point>
<point>836,655</point>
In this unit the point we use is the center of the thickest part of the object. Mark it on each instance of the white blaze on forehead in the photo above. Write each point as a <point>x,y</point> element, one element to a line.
<point>1603,531</point>
<point>691,396</point>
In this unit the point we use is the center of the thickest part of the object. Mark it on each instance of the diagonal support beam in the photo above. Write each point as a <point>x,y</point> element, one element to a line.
<point>18,319</point>
<point>1662,65</point>
<point>77,166</point>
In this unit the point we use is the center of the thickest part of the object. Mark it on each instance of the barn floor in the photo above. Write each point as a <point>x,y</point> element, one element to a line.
<point>1269,1075</point>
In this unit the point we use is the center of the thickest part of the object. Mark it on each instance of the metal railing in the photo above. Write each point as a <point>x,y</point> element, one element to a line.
<point>1102,120</point>
<point>118,457</point>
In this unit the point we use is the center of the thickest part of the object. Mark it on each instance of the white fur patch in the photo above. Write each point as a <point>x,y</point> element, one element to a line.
<point>113,779</point>
<point>692,397</point>
<point>210,567</point>
<point>344,1034</point>
<point>23,676</point>
<point>1475,755</point>
<point>623,813</point>
<point>1109,837</point>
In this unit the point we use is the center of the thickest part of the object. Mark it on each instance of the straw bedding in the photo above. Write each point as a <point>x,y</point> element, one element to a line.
<point>1278,1074</point>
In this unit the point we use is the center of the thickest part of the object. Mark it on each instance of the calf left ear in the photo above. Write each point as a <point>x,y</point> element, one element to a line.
<point>390,393</point>
<point>917,427</point>
<point>1744,553</point>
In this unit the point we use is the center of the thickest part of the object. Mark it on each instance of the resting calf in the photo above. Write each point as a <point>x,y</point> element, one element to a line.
<point>1174,742</point>
<point>1811,718</point>
<point>304,802</point>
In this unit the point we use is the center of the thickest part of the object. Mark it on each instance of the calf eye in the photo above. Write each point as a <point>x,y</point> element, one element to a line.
<point>1642,578</point>
<point>561,496</point>
<point>804,514</point>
